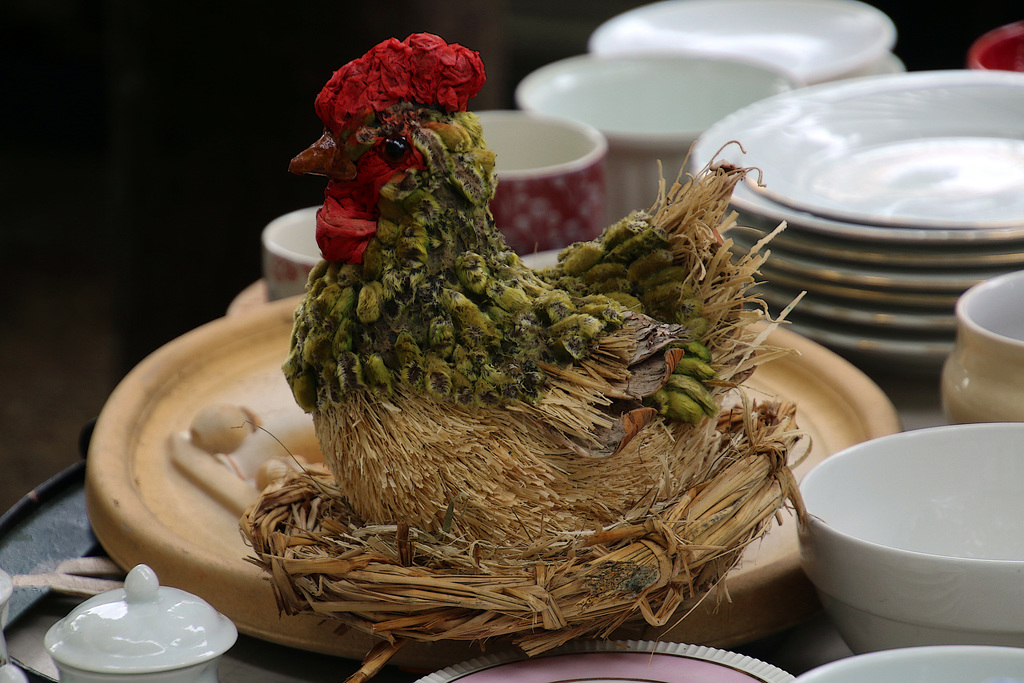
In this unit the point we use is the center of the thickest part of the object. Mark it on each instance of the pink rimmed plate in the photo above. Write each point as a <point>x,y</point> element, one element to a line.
<point>608,662</point>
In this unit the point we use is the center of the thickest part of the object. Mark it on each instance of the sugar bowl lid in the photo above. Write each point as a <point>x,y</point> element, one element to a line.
<point>143,627</point>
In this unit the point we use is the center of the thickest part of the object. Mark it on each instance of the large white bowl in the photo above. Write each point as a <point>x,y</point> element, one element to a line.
<point>917,538</point>
<point>938,664</point>
<point>649,108</point>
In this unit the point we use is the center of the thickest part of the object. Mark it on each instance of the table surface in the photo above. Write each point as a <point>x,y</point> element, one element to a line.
<point>799,649</point>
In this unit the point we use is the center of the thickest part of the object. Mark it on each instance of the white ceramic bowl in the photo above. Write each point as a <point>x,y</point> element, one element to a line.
<point>649,107</point>
<point>917,538</point>
<point>938,664</point>
<point>983,378</point>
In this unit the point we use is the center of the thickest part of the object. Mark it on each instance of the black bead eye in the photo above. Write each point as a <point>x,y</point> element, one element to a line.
<point>396,148</point>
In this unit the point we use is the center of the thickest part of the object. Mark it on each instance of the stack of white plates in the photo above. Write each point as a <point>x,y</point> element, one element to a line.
<point>813,40</point>
<point>900,191</point>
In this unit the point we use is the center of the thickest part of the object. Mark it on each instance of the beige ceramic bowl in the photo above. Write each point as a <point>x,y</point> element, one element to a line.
<point>983,378</point>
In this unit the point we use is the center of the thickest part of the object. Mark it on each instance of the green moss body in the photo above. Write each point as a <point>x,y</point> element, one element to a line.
<point>441,304</point>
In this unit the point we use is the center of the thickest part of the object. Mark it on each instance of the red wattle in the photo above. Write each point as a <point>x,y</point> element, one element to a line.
<point>348,219</point>
<point>343,240</point>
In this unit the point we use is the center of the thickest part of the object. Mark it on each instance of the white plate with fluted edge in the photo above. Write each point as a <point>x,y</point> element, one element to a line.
<point>757,210</point>
<point>814,40</point>
<point>890,278</point>
<point>826,308</point>
<point>614,661</point>
<point>932,150</point>
<point>900,349</point>
<point>813,245</point>
<point>873,295</point>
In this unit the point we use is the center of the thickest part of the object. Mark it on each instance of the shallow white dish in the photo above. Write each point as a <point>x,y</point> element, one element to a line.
<point>939,280</point>
<point>756,209</point>
<point>846,312</point>
<point>894,350</point>
<point>610,662</point>
<point>942,149</point>
<point>878,296</point>
<point>815,40</point>
<point>813,245</point>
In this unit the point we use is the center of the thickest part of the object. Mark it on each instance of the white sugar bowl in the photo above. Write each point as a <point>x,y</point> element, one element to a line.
<point>143,632</point>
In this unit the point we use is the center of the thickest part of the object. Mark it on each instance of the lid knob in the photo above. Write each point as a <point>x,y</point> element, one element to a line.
<point>141,585</point>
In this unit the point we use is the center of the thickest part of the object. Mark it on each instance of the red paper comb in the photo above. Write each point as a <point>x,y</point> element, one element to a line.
<point>422,69</point>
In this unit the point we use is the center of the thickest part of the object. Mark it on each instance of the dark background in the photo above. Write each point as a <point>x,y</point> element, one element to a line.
<point>144,145</point>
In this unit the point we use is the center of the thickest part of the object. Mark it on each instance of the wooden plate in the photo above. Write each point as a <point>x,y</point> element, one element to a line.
<point>145,506</point>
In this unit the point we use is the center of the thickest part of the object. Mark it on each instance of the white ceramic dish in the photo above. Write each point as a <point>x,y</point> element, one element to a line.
<point>941,149</point>
<point>6,590</point>
<point>611,662</point>
<point>938,280</point>
<point>916,538</point>
<point>815,40</point>
<point>650,108</point>
<point>937,664</point>
<point>813,245</point>
<point>878,296</point>
<point>857,313</point>
<point>10,673</point>
<point>893,350</point>
<point>756,209</point>
<point>685,94</point>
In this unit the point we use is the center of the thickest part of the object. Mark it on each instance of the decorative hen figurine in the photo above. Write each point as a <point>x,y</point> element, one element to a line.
<point>537,455</point>
<point>441,372</point>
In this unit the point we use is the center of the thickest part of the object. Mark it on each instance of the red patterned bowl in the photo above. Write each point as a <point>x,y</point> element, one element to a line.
<point>551,185</point>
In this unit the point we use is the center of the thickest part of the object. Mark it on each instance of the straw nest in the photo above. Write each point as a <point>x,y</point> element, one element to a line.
<point>698,496</point>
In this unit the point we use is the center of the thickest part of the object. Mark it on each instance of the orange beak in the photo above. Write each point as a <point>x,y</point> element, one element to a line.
<point>325,158</point>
